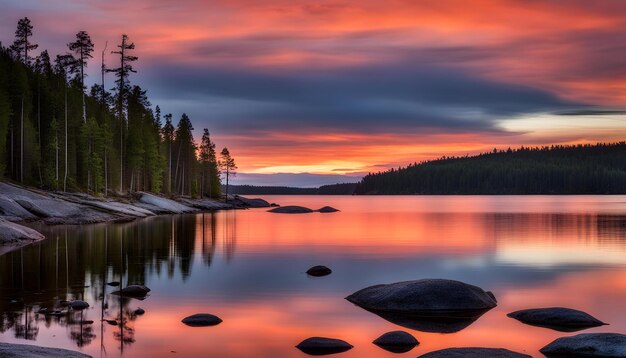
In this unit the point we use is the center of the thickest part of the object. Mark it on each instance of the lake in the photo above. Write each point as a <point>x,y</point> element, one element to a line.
<point>248,267</point>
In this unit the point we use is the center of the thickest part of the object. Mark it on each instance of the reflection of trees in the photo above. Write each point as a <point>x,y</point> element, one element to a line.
<point>76,262</point>
<point>229,228</point>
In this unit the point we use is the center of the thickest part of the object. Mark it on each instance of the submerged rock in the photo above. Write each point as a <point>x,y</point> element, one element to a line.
<point>557,318</point>
<point>113,283</point>
<point>319,271</point>
<point>604,345</point>
<point>396,341</point>
<point>327,209</point>
<point>291,209</point>
<point>428,296</point>
<point>139,311</point>
<point>9,350</point>
<point>79,305</point>
<point>474,353</point>
<point>318,346</point>
<point>135,291</point>
<point>202,320</point>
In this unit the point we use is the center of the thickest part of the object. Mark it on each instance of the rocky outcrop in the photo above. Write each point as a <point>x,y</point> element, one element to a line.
<point>161,205</point>
<point>557,318</point>
<point>12,233</point>
<point>327,209</point>
<point>604,345</point>
<point>250,202</point>
<point>8,350</point>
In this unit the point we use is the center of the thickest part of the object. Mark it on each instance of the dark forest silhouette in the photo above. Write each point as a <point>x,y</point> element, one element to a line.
<point>578,169</point>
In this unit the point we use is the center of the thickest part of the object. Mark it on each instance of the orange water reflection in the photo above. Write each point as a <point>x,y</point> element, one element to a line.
<point>248,268</point>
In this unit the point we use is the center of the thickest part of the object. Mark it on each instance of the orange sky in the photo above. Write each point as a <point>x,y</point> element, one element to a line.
<point>356,86</point>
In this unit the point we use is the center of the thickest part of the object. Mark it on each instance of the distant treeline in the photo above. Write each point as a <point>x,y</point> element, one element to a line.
<point>577,169</point>
<point>335,189</point>
<point>57,134</point>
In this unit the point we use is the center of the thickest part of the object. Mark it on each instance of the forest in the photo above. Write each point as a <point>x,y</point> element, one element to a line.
<point>56,134</point>
<point>332,189</point>
<point>557,169</point>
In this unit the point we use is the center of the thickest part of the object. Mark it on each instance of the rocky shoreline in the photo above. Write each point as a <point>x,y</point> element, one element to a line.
<point>22,205</point>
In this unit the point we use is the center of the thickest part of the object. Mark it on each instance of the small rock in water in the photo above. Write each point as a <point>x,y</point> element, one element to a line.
<point>113,283</point>
<point>321,346</point>
<point>202,320</point>
<point>112,322</point>
<point>474,353</point>
<point>319,271</point>
<point>327,209</point>
<point>291,209</point>
<point>396,342</point>
<point>78,305</point>
<point>605,345</point>
<point>557,318</point>
<point>136,291</point>
<point>86,322</point>
<point>139,311</point>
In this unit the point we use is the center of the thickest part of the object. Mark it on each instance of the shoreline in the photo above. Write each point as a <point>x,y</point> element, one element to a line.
<point>20,205</point>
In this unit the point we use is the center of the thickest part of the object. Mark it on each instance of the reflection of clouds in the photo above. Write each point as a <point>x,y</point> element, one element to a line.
<point>543,256</point>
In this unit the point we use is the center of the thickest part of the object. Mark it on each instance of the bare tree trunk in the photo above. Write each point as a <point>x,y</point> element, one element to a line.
<point>22,144</point>
<point>65,176</point>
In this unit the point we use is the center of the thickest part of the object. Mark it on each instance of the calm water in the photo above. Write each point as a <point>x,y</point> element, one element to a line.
<point>248,268</point>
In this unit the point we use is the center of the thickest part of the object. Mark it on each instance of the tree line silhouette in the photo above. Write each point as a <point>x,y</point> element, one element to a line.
<point>56,135</point>
<point>557,169</point>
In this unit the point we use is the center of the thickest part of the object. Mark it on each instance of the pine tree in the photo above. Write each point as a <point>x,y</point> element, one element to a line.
<point>209,179</point>
<point>168,137</point>
<point>83,49</point>
<point>228,166</point>
<point>22,45</point>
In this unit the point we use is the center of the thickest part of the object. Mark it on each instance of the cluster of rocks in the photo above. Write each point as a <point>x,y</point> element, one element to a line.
<point>438,305</point>
<point>295,209</point>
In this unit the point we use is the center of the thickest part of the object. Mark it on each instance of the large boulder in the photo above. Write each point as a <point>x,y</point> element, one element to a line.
<point>321,346</point>
<point>161,205</point>
<point>424,296</point>
<point>291,209</point>
<point>557,318</point>
<point>396,341</point>
<point>604,345</point>
<point>12,233</point>
<point>9,350</point>
<point>472,352</point>
<point>202,320</point>
<point>252,202</point>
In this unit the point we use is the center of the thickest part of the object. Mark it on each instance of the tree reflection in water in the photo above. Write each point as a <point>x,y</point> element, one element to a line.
<point>77,262</point>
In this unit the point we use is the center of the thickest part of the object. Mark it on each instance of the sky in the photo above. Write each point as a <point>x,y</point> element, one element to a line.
<point>306,93</point>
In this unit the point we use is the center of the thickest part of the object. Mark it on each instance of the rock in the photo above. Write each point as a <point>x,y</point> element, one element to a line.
<point>112,322</point>
<point>79,305</point>
<point>56,313</point>
<point>319,271</point>
<point>202,320</point>
<point>162,205</point>
<point>428,296</point>
<point>136,291</point>
<point>604,345</point>
<point>557,318</point>
<point>396,341</point>
<point>12,233</point>
<point>64,303</point>
<point>113,283</point>
<point>9,350</point>
<point>139,311</point>
<point>274,205</point>
<point>474,353</point>
<point>32,208</point>
<point>327,209</point>
<point>291,209</point>
<point>318,346</point>
<point>252,203</point>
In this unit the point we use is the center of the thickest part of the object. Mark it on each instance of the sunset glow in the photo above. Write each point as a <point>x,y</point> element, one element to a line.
<point>292,86</point>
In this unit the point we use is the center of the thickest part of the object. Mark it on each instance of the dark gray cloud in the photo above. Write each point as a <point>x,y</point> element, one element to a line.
<point>403,95</point>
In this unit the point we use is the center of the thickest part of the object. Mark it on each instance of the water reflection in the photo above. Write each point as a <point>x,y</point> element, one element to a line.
<point>248,268</point>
